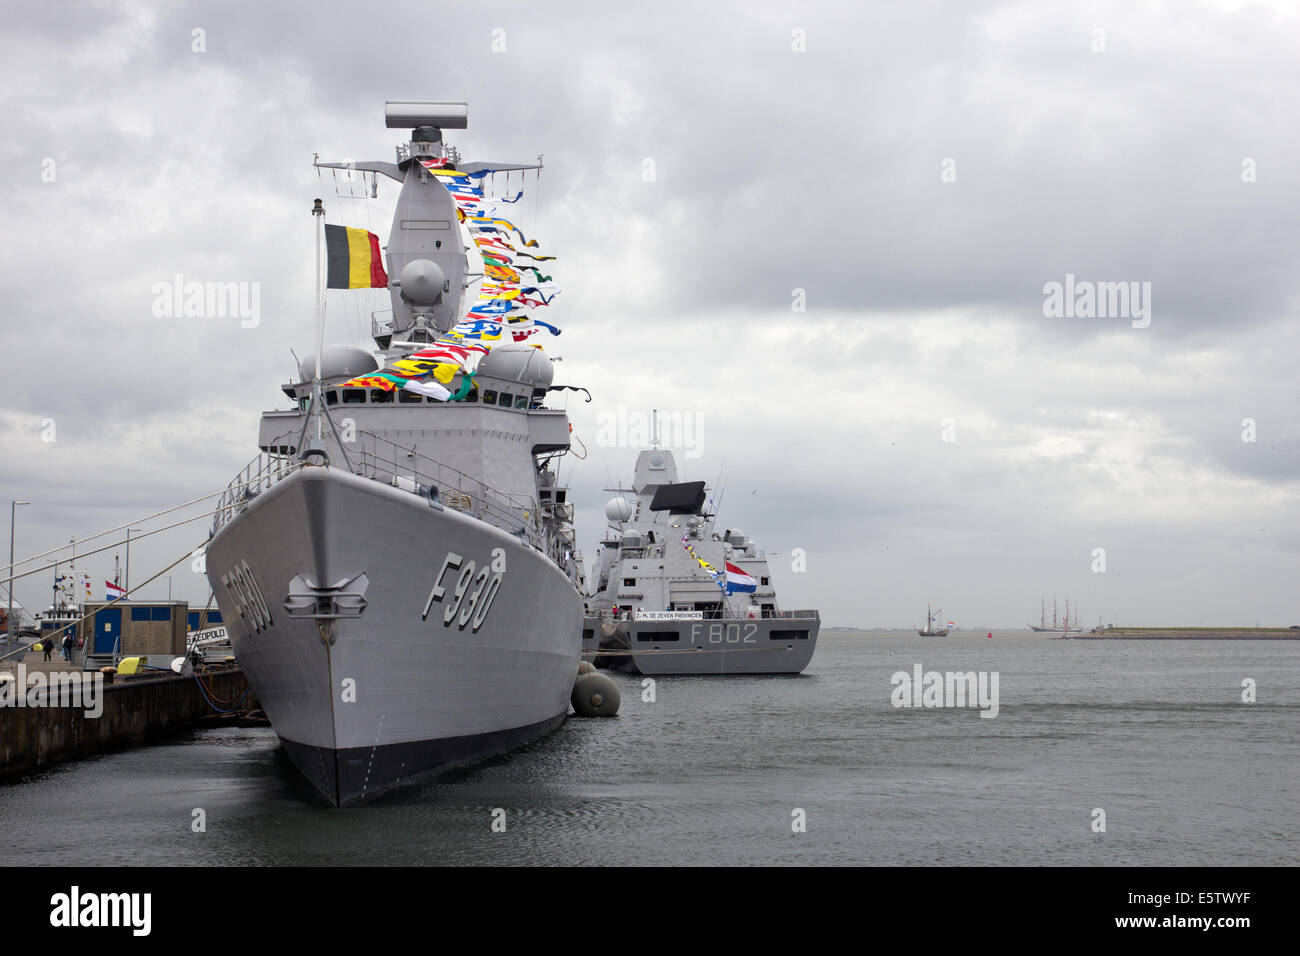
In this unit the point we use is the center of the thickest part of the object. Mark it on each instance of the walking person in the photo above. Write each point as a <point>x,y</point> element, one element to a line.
<point>47,645</point>
<point>67,647</point>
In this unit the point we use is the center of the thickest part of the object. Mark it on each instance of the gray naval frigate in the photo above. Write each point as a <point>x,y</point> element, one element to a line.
<point>675,596</point>
<point>398,573</point>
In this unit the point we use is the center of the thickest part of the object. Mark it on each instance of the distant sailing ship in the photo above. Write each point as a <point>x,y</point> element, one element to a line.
<point>929,624</point>
<point>1066,626</point>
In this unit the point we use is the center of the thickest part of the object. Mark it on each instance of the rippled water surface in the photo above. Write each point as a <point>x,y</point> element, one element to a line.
<point>1153,732</point>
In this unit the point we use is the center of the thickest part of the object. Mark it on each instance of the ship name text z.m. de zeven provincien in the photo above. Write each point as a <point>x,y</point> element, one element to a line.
<point>397,569</point>
<point>674,596</point>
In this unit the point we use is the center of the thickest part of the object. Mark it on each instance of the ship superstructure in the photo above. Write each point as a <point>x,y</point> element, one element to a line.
<point>674,595</point>
<point>397,569</point>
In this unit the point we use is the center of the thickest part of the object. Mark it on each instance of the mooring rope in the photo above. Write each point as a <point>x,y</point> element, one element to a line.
<point>223,710</point>
<point>125,594</point>
<point>157,514</point>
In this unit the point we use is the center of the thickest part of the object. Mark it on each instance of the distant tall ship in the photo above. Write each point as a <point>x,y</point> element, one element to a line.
<point>1066,625</point>
<point>930,629</point>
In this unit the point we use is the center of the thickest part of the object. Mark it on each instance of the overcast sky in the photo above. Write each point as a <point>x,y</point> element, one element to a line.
<point>913,175</point>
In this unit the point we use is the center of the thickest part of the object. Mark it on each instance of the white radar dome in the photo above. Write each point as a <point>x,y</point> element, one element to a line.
<point>340,362</point>
<point>518,363</point>
<point>422,281</point>
<point>618,509</point>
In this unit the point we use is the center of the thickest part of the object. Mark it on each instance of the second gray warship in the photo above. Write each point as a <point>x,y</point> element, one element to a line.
<point>397,570</point>
<point>674,596</point>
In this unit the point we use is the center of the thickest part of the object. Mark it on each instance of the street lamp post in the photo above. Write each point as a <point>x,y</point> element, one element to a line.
<point>9,621</point>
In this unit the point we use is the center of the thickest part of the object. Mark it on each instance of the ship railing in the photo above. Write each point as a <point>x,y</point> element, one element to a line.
<point>383,459</point>
<point>257,476</point>
<point>404,467</point>
<point>404,152</point>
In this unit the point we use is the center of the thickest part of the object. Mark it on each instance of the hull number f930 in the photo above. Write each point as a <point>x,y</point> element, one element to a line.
<point>472,594</point>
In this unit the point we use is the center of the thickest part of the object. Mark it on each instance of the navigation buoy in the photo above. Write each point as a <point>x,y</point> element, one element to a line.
<point>595,695</point>
<point>990,633</point>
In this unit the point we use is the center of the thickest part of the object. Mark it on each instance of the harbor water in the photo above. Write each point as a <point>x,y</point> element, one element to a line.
<point>725,770</point>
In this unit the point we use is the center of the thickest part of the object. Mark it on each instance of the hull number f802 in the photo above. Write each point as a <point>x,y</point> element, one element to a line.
<point>472,594</point>
<point>736,632</point>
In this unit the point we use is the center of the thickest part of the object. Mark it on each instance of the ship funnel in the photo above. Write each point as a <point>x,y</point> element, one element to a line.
<point>423,281</point>
<point>409,114</point>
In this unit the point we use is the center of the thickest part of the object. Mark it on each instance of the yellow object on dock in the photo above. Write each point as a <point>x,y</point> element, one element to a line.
<point>129,665</point>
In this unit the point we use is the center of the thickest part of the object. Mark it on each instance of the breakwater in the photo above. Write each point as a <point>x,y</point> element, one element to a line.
<point>1190,634</point>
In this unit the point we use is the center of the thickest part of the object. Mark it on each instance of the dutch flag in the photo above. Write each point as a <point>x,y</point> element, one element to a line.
<point>112,592</point>
<point>738,580</point>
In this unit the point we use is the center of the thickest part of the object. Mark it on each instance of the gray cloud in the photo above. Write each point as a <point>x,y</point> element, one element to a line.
<point>774,171</point>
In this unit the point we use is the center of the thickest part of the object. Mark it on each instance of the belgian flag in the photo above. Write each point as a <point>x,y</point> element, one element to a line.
<point>354,259</point>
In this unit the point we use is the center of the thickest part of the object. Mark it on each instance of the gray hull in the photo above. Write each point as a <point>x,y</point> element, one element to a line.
<point>380,686</point>
<point>721,646</point>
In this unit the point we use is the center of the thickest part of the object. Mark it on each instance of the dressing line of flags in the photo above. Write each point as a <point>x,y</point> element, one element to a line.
<point>733,580</point>
<point>79,581</point>
<point>74,582</point>
<point>500,313</point>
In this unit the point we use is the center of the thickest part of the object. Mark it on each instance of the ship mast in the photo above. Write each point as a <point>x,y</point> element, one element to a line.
<point>317,396</point>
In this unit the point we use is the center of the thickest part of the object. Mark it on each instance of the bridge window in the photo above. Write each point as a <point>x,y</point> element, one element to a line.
<point>331,397</point>
<point>489,397</point>
<point>407,397</point>
<point>381,397</point>
<point>504,399</point>
<point>354,396</point>
<point>521,401</point>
